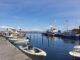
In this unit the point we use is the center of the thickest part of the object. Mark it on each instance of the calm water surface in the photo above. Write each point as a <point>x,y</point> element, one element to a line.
<point>56,48</point>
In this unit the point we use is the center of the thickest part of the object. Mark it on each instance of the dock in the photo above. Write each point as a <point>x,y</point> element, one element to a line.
<point>10,52</point>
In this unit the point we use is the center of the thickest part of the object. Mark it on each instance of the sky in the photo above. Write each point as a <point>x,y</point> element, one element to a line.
<point>40,14</point>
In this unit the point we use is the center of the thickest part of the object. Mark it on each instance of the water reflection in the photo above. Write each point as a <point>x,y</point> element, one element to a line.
<point>56,48</point>
<point>72,41</point>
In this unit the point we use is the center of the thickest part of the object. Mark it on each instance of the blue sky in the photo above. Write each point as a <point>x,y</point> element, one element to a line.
<point>39,14</point>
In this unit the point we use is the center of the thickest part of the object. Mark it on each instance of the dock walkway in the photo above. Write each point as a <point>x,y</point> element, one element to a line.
<point>10,52</point>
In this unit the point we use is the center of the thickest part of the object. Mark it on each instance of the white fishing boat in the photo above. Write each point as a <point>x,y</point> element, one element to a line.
<point>75,52</point>
<point>33,51</point>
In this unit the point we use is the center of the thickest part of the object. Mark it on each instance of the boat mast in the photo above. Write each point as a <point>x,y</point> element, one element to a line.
<point>53,26</point>
<point>66,25</point>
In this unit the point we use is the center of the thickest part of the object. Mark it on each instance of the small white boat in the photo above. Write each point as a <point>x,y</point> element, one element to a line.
<point>13,39</point>
<point>26,47</point>
<point>20,42</point>
<point>75,52</point>
<point>9,36</point>
<point>34,51</point>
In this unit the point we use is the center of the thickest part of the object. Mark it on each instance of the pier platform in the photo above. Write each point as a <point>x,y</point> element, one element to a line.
<point>10,52</point>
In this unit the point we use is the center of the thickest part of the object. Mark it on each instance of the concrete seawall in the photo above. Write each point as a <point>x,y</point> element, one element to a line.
<point>10,52</point>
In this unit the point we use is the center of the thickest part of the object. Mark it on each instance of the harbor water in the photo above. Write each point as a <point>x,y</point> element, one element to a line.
<point>56,48</point>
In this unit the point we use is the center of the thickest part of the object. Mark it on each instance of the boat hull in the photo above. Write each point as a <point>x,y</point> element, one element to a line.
<point>48,34</point>
<point>74,54</point>
<point>67,36</point>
